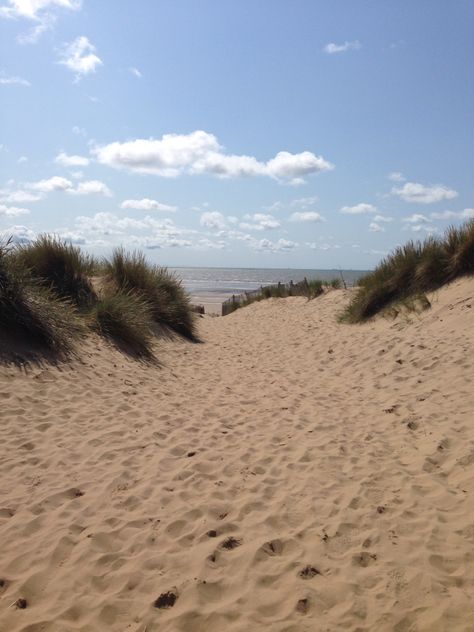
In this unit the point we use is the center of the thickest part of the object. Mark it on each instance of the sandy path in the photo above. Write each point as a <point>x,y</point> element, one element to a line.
<point>339,460</point>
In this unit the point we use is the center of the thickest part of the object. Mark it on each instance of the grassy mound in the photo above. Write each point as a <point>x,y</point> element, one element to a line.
<point>126,320</point>
<point>169,303</point>
<point>413,269</point>
<point>32,313</point>
<point>60,266</point>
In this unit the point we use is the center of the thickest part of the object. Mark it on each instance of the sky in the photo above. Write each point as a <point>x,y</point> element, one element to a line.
<point>278,133</point>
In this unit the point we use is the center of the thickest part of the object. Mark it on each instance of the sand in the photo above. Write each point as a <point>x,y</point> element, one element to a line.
<point>289,474</point>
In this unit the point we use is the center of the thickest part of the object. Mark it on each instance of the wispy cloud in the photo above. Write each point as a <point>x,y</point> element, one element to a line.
<point>467,213</point>
<point>396,176</point>
<point>332,48</point>
<point>135,72</point>
<point>260,221</point>
<point>42,12</point>
<point>9,80</point>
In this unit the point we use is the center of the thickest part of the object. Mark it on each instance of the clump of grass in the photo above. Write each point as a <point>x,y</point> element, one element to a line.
<point>61,266</point>
<point>168,301</point>
<point>413,269</point>
<point>126,320</point>
<point>32,313</point>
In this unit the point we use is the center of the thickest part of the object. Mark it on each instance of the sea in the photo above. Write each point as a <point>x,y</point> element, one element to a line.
<point>216,284</point>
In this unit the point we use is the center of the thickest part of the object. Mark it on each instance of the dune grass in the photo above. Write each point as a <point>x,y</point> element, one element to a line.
<point>168,301</point>
<point>126,320</point>
<point>47,298</point>
<point>413,269</point>
<point>32,313</point>
<point>310,289</point>
<point>62,267</point>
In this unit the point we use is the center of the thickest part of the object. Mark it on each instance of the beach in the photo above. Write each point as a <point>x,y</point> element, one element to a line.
<point>289,473</point>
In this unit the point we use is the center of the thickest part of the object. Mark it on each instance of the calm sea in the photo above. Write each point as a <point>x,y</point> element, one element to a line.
<point>228,281</point>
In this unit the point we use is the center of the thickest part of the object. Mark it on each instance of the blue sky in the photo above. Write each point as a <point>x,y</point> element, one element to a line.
<point>237,133</point>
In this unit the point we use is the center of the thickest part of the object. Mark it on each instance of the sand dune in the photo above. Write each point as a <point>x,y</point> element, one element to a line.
<point>289,474</point>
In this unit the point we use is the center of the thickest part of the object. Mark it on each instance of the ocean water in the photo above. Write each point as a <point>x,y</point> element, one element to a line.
<point>228,281</point>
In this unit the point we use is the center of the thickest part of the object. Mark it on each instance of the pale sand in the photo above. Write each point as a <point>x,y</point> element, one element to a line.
<point>301,451</point>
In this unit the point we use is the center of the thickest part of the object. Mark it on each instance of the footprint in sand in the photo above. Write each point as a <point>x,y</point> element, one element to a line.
<point>308,572</point>
<point>364,559</point>
<point>166,599</point>
<point>231,543</point>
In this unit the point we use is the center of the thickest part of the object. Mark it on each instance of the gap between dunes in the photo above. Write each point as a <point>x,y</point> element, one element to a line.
<point>290,474</point>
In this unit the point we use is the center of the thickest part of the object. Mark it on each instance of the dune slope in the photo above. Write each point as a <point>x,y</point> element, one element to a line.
<point>289,474</point>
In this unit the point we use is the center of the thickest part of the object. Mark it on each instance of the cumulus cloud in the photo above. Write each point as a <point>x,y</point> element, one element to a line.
<point>359,209</point>
<point>416,228</point>
<point>12,211</point>
<point>266,245</point>
<point>383,218</point>
<point>9,80</point>
<point>259,221</point>
<point>213,220</point>
<point>200,152</point>
<point>396,176</point>
<point>79,56</point>
<point>421,194</point>
<point>147,205</point>
<point>71,161</point>
<point>376,228</point>
<point>91,187</point>
<point>467,213</point>
<point>135,72</point>
<point>18,234</point>
<point>18,196</point>
<point>56,183</point>
<point>306,216</point>
<point>332,48</point>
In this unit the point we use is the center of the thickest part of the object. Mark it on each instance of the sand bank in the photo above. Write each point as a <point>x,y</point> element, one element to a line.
<point>290,474</point>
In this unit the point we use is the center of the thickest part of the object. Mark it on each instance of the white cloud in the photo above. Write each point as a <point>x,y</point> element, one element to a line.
<point>332,48</point>
<point>260,221</point>
<point>421,194</point>
<point>200,152</point>
<point>467,213</point>
<point>91,187</point>
<point>38,11</point>
<point>383,218</point>
<point>18,196</point>
<point>266,245</point>
<point>321,246</point>
<point>304,202</point>
<point>396,176</point>
<point>376,228</point>
<point>18,234</point>
<point>213,220</point>
<point>56,183</point>
<point>33,9</point>
<point>71,161</point>
<point>22,159</point>
<point>79,131</point>
<point>79,56</point>
<point>12,211</point>
<point>359,209</point>
<point>416,228</point>
<point>8,80</point>
<point>306,216</point>
<point>135,72</point>
<point>416,218</point>
<point>148,205</point>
